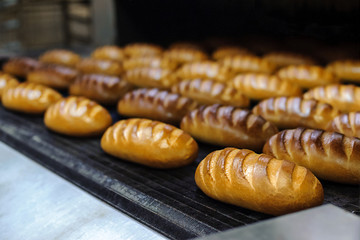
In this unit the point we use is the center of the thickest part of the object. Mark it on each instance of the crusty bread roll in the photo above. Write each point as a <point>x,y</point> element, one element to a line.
<point>329,155</point>
<point>149,61</point>
<point>261,86</point>
<point>227,51</point>
<point>97,66</point>
<point>21,66</point>
<point>346,69</point>
<point>142,49</point>
<point>307,76</point>
<point>151,143</point>
<point>60,57</point>
<point>247,63</point>
<point>29,98</point>
<point>283,59</point>
<point>204,70</point>
<point>228,126</point>
<point>55,76</point>
<point>151,77</point>
<point>113,53</point>
<point>155,104</point>
<point>346,98</point>
<point>258,182</point>
<point>211,92</point>
<point>100,88</point>
<point>347,124</point>
<point>7,81</point>
<point>77,116</point>
<point>292,112</point>
<point>184,55</point>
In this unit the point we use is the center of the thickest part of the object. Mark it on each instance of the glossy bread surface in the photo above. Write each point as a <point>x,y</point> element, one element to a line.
<point>247,63</point>
<point>283,59</point>
<point>6,80</point>
<point>20,66</point>
<point>113,53</point>
<point>185,55</point>
<point>151,77</point>
<point>60,57</point>
<point>347,124</point>
<point>97,66</point>
<point>346,69</point>
<point>142,49</point>
<point>149,61</point>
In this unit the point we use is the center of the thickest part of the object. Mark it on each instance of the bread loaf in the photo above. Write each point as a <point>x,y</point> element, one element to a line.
<point>142,49</point>
<point>21,66</point>
<point>228,126</point>
<point>261,86</point>
<point>97,66</point>
<point>77,116</point>
<point>113,53</point>
<point>149,61</point>
<point>307,76</point>
<point>283,59</point>
<point>329,155</point>
<point>210,92</point>
<point>151,143</point>
<point>29,98</point>
<point>6,81</point>
<point>228,51</point>
<point>100,88</point>
<point>346,98</point>
<point>60,57</point>
<point>292,112</point>
<point>246,64</point>
<point>151,77</point>
<point>184,55</point>
<point>346,69</point>
<point>258,182</point>
<point>347,124</point>
<point>155,104</point>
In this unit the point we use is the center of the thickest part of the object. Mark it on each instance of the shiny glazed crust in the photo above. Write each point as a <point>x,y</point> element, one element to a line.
<point>347,124</point>
<point>150,77</point>
<point>247,63</point>
<point>142,49</point>
<point>227,51</point>
<point>329,155</point>
<point>29,98</point>
<point>113,53</point>
<point>60,57</point>
<point>155,104</point>
<point>100,88</point>
<point>151,143</point>
<point>346,69</point>
<point>307,76</point>
<point>283,59</point>
<point>262,86</point>
<point>292,112</point>
<point>149,61</point>
<point>346,98</point>
<point>97,66</point>
<point>77,116</point>
<point>258,182</point>
<point>7,81</point>
<point>228,126</point>
<point>185,55</point>
<point>21,66</point>
<point>211,92</point>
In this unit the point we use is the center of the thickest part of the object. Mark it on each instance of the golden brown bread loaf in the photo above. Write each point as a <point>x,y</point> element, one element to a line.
<point>258,182</point>
<point>97,66</point>
<point>307,76</point>
<point>7,81</point>
<point>228,126</point>
<point>283,59</point>
<point>21,66</point>
<point>211,92</point>
<point>149,61</point>
<point>346,69</point>
<point>29,98</point>
<point>100,88</point>
<point>151,143</point>
<point>347,124</point>
<point>204,70</point>
<point>292,112</point>
<point>185,55</point>
<point>247,63</point>
<point>142,49</point>
<point>261,86</point>
<point>227,51</point>
<point>60,57</point>
<point>346,98</point>
<point>113,53</point>
<point>77,116</point>
<point>150,77</point>
<point>155,104</point>
<point>55,76</point>
<point>329,155</point>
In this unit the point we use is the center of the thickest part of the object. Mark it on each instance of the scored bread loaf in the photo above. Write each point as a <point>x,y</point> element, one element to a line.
<point>247,63</point>
<point>97,66</point>
<point>258,182</point>
<point>292,112</point>
<point>283,59</point>
<point>226,51</point>
<point>347,124</point>
<point>151,77</point>
<point>100,88</point>
<point>142,49</point>
<point>29,98</point>
<point>261,86</point>
<point>60,57</point>
<point>113,53</point>
<point>6,81</point>
<point>155,104</point>
<point>346,98</point>
<point>21,66</point>
<point>185,55</point>
<point>228,126</point>
<point>346,69</point>
<point>77,116</point>
<point>307,76</point>
<point>211,92</point>
<point>329,155</point>
<point>149,61</point>
<point>151,143</point>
